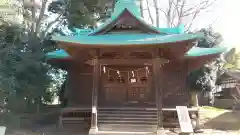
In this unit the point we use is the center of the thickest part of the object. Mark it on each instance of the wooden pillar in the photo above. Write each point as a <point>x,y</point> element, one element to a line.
<point>96,77</point>
<point>159,94</point>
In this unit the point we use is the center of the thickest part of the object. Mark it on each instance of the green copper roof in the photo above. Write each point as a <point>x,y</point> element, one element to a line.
<point>176,30</point>
<point>127,39</point>
<point>197,51</point>
<point>194,52</point>
<point>79,32</point>
<point>167,35</point>
<point>57,54</point>
<point>130,5</point>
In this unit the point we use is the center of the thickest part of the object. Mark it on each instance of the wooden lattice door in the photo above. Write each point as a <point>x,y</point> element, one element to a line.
<point>127,89</point>
<point>139,88</point>
<point>138,93</point>
<point>115,90</point>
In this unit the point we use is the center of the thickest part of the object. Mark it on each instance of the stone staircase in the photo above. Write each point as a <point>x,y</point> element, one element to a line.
<point>127,119</point>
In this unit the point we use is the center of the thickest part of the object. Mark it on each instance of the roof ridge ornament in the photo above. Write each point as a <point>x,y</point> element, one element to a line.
<point>132,6</point>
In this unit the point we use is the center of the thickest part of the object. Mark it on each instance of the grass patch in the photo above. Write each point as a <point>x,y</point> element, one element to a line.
<point>210,108</point>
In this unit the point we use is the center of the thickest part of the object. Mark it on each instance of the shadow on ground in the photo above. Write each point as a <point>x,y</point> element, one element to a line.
<point>225,121</point>
<point>50,130</point>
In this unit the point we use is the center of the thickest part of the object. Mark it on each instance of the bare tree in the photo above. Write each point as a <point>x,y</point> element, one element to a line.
<point>177,12</point>
<point>35,17</point>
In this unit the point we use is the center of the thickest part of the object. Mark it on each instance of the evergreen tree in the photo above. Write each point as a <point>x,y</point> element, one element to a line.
<point>83,13</point>
<point>204,79</point>
<point>23,73</point>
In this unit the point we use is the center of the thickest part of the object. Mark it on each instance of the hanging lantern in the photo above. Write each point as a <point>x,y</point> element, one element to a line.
<point>147,71</point>
<point>143,80</point>
<point>133,75</point>
<point>118,72</point>
<point>104,69</point>
<point>120,78</point>
<point>133,79</point>
<point>110,78</point>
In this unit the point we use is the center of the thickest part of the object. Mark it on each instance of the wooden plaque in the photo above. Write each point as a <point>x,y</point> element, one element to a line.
<point>2,130</point>
<point>184,119</point>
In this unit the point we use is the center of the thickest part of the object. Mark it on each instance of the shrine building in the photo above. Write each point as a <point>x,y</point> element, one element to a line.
<point>128,75</point>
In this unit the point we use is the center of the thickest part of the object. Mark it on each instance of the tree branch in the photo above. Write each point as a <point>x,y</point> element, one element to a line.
<point>174,13</point>
<point>181,13</point>
<point>194,6</point>
<point>201,6</point>
<point>164,12</point>
<point>141,8</point>
<point>194,17</point>
<point>149,12</point>
<point>157,12</point>
<point>40,17</point>
<point>33,13</point>
<point>169,11</point>
<point>43,34</point>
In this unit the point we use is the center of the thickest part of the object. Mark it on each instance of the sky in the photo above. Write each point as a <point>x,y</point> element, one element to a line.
<point>223,16</point>
<point>228,23</point>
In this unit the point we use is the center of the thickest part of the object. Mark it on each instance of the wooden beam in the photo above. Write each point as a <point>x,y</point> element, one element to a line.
<point>158,90</point>
<point>86,74</point>
<point>157,83</point>
<point>126,61</point>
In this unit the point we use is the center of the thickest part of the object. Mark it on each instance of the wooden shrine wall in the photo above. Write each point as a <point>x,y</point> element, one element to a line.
<point>80,86</point>
<point>174,87</point>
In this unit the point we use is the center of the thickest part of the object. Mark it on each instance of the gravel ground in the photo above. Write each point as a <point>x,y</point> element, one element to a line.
<point>51,132</point>
<point>213,122</point>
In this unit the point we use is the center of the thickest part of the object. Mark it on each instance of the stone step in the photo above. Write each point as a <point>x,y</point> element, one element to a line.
<point>129,109</point>
<point>126,118</point>
<point>127,121</point>
<point>72,119</point>
<point>125,133</point>
<point>127,115</point>
<point>127,112</point>
<point>127,127</point>
<point>128,133</point>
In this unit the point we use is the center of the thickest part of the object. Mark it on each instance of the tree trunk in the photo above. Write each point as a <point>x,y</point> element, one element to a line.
<point>194,98</point>
<point>141,8</point>
<point>155,2</point>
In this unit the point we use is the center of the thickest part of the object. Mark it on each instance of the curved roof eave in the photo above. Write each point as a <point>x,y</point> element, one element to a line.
<point>59,54</point>
<point>126,39</point>
<point>198,51</point>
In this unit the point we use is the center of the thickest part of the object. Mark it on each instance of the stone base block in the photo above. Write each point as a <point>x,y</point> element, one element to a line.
<point>93,131</point>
